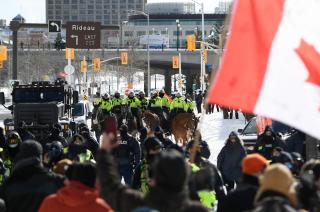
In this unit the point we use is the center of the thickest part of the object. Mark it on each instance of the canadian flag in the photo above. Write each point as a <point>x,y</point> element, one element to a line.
<point>271,65</point>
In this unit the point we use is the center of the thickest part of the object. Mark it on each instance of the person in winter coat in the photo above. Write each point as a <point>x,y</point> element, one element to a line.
<point>168,183</point>
<point>267,142</point>
<point>90,142</point>
<point>78,194</point>
<point>29,182</point>
<point>204,148</point>
<point>277,191</point>
<point>158,132</point>
<point>199,99</point>
<point>77,150</point>
<point>2,138</point>
<point>55,136</point>
<point>309,187</point>
<point>127,154</point>
<point>205,183</point>
<point>242,198</point>
<point>229,160</point>
<point>141,178</point>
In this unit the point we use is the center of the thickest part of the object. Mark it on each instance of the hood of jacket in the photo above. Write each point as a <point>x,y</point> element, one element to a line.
<point>76,194</point>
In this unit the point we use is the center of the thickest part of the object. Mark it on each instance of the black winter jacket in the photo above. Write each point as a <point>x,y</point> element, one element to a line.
<point>242,198</point>
<point>28,185</point>
<point>123,199</point>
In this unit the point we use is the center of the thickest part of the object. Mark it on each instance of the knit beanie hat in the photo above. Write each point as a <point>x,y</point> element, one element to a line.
<point>278,178</point>
<point>29,149</point>
<point>253,163</point>
<point>170,171</point>
<point>84,173</point>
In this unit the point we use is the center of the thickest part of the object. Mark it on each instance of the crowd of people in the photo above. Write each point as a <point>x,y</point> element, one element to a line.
<point>150,172</point>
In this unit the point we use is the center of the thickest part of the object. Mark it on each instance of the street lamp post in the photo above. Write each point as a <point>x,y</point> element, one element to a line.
<point>148,47</point>
<point>203,66</point>
<point>178,33</point>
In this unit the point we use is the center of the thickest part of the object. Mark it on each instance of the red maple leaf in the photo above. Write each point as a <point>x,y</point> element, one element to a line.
<point>311,59</point>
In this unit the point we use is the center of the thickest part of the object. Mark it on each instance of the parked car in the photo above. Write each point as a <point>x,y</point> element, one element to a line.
<point>255,127</point>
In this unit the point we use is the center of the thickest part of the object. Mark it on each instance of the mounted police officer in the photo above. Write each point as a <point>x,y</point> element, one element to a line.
<point>134,106</point>
<point>155,104</point>
<point>143,100</point>
<point>165,101</point>
<point>117,102</point>
<point>127,154</point>
<point>177,105</point>
<point>106,104</point>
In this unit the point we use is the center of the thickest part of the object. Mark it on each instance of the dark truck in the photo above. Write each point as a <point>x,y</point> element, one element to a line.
<point>40,105</point>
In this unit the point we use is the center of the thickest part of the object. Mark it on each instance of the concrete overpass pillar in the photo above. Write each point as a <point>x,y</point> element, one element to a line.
<point>167,82</point>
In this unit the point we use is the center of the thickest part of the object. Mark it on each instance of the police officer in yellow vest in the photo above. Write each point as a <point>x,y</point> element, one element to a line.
<point>143,100</point>
<point>189,104</point>
<point>10,151</point>
<point>151,148</point>
<point>117,103</point>
<point>155,104</point>
<point>134,105</point>
<point>177,105</point>
<point>206,183</point>
<point>77,150</point>
<point>3,176</point>
<point>165,101</point>
<point>106,104</point>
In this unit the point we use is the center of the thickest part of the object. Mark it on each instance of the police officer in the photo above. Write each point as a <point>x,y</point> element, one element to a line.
<point>155,104</point>
<point>77,150</point>
<point>177,105</point>
<point>143,100</point>
<point>117,103</point>
<point>3,176</point>
<point>165,101</point>
<point>11,150</point>
<point>134,105</point>
<point>189,104</point>
<point>126,154</point>
<point>141,179</point>
<point>206,184</point>
<point>106,104</point>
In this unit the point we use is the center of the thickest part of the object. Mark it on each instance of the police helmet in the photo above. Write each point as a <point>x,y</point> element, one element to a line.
<point>161,93</point>
<point>106,96</point>
<point>117,94</point>
<point>178,94</point>
<point>141,94</point>
<point>13,139</point>
<point>154,93</point>
<point>131,94</point>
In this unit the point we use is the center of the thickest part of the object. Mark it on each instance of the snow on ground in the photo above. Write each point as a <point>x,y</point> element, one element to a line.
<point>215,130</point>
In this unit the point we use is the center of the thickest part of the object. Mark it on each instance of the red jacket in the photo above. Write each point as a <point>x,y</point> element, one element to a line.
<point>74,197</point>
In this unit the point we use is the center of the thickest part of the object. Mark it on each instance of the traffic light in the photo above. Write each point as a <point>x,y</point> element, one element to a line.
<point>124,58</point>
<point>71,54</point>
<point>83,66</point>
<point>191,42</point>
<point>3,53</point>
<point>175,62</point>
<point>96,64</point>
<point>205,56</point>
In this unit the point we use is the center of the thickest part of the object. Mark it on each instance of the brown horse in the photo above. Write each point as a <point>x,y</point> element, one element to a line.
<point>183,127</point>
<point>150,119</point>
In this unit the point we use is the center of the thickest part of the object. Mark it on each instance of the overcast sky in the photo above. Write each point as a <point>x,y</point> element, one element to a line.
<point>34,10</point>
